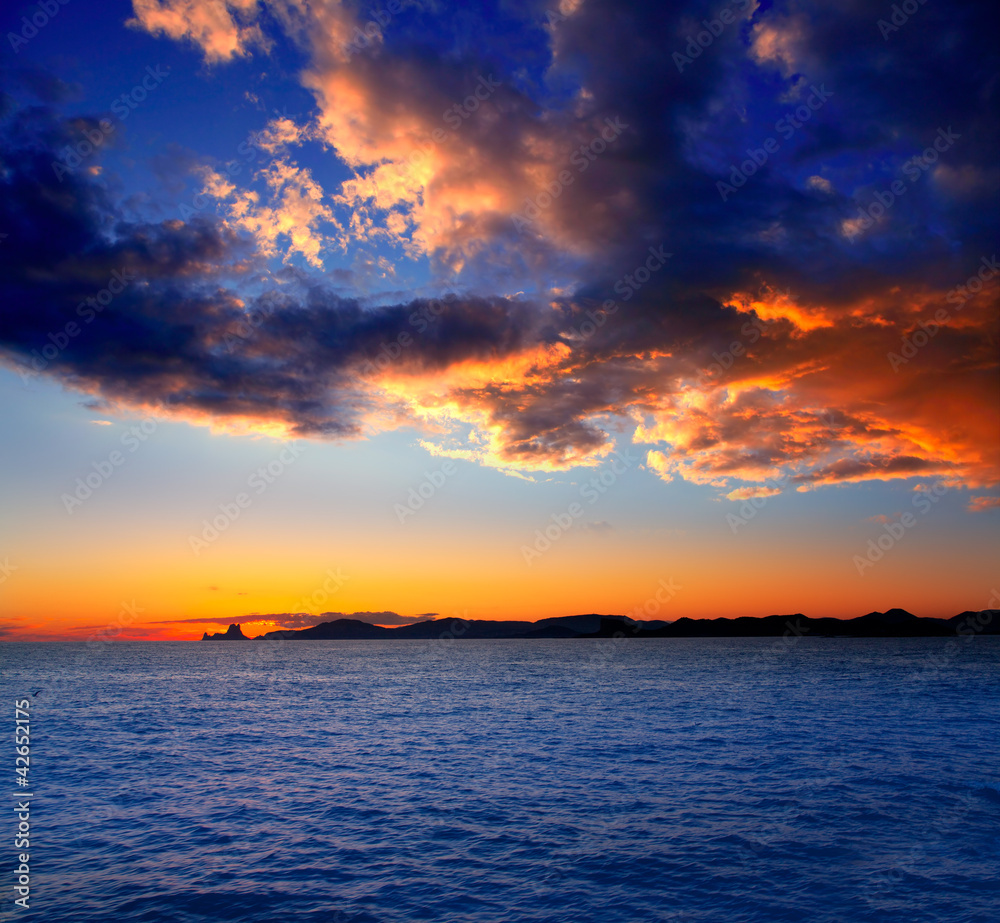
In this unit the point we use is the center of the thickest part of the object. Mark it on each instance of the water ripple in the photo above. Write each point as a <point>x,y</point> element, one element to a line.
<point>690,781</point>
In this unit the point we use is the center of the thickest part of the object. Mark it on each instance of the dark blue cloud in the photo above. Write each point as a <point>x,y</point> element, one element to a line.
<point>879,100</point>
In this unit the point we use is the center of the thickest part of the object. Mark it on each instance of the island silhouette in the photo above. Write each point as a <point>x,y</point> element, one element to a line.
<point>894,623</point>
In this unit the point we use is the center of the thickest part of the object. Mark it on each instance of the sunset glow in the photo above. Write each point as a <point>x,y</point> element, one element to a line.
<point>739,305</point>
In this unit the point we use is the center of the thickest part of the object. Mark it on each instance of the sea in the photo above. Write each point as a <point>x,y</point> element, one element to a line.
<point>730,780</point>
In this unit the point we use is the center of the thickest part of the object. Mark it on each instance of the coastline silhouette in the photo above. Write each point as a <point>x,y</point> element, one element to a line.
<point>894,623</point>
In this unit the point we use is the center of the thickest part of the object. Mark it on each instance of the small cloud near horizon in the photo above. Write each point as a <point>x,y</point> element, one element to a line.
<point>303,619</point>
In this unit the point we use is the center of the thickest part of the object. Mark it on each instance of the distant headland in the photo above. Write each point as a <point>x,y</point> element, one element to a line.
<point>895,623</point>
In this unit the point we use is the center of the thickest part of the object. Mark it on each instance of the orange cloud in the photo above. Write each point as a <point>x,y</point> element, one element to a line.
<point>751,493</point>
<point>290,222</point>
<point>221,28</point>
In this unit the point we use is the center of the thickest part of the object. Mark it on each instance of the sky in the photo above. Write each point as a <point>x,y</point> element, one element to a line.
<point>494,310</point>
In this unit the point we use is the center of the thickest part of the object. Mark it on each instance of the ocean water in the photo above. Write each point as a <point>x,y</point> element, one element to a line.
<point>700,780</point>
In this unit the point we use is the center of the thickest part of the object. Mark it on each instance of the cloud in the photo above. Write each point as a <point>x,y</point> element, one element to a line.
<point>981,504</point>
<point>750,493</point>
<point>220,28</point>
<point>303,619</point>
<point>294,215</point>
<point>761,350</point>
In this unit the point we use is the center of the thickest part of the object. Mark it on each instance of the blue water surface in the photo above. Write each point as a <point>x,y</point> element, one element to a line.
<point>696,780</point>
